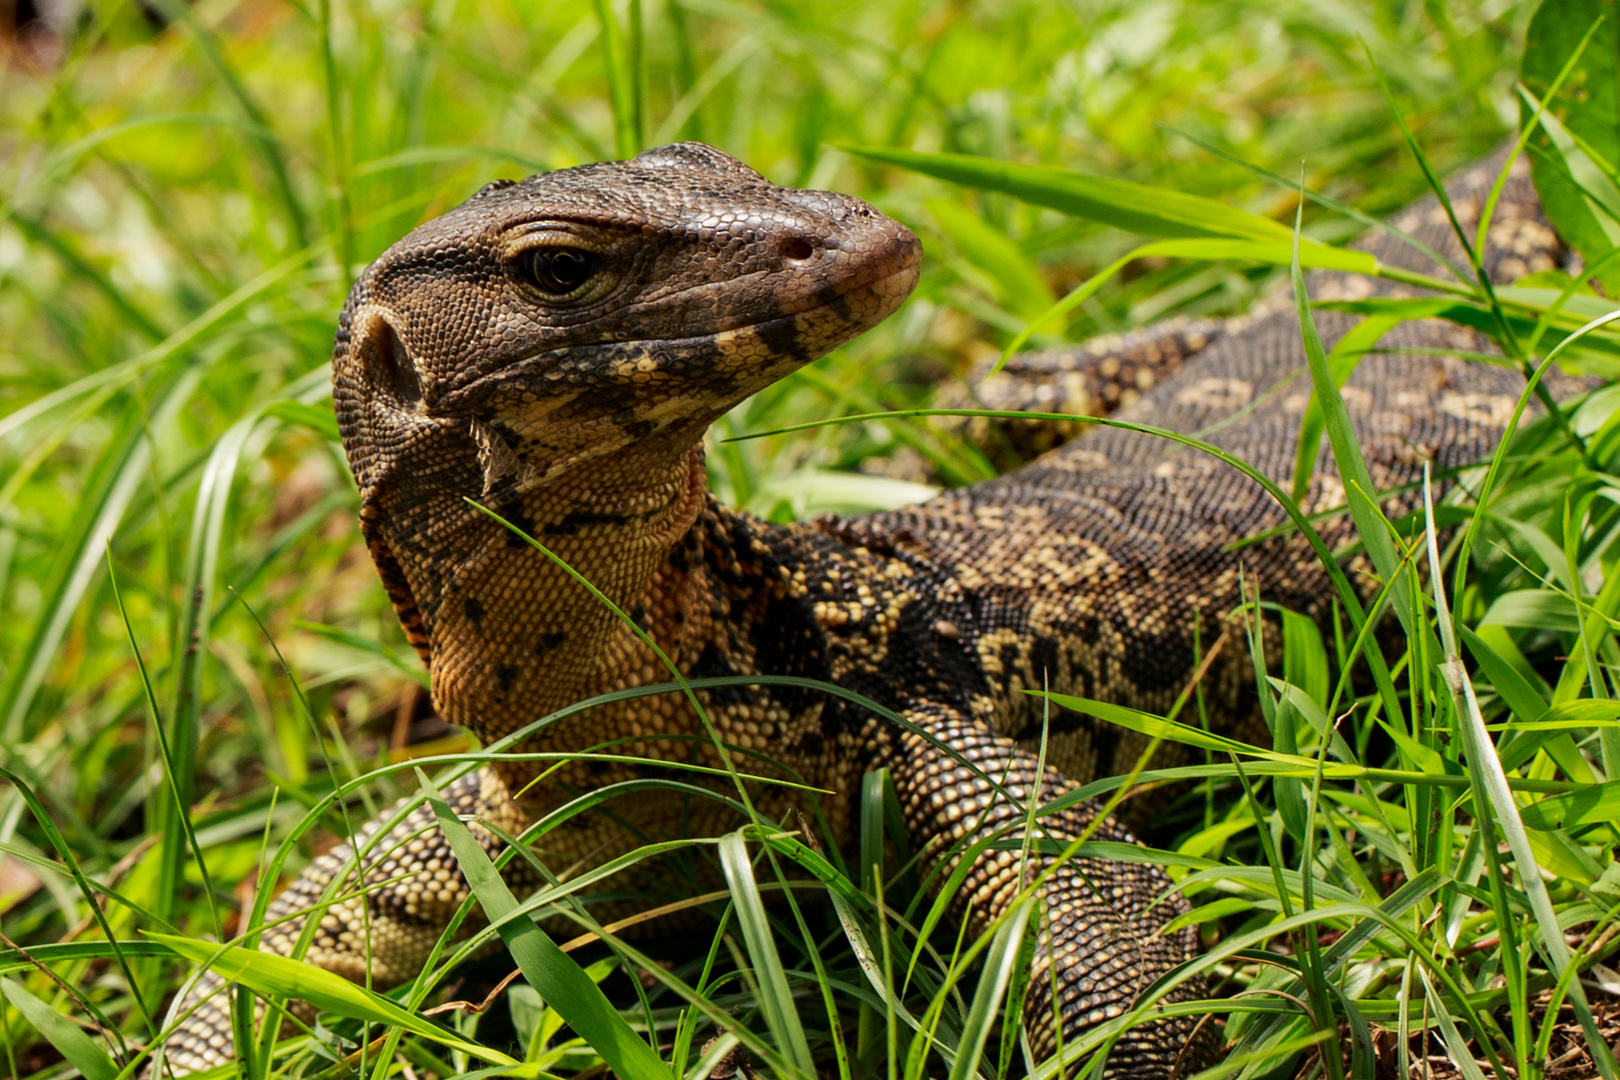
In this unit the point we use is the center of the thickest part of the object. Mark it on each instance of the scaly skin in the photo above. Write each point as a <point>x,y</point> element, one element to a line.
<point>578,418</point>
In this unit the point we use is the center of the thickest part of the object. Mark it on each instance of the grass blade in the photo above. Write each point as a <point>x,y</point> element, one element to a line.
<point>871,850</point>
<point>1019,284</point>
<point>1600,802</point>
<point>1456,1045</point>
<point>620,79</point>
<point>1341,364</point>
<point>122,468</point>
<point>1329,203</point>
<point>202,565</point>
<point>1489,779</point>
<point>561,983</point>
<point>262,135</point>
<point>37,232</point>
<point>79,878</point>
<point>1533,51</point>
<point>1273,252</point>
<point>1136,208</point>
<point>80,1049</point>
<point>775,999</point>
<point>1371,524</point>
<point>281,976</point>
<point>1000,963</point>
<point>1159,727</point>
<point>1590,179</point>
<point>311,417</point>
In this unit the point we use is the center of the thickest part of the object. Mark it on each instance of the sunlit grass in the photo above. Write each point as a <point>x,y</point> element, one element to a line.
<point>181,212</point>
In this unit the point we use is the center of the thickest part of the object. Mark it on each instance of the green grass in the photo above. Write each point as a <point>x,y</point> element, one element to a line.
<point>181,212</point>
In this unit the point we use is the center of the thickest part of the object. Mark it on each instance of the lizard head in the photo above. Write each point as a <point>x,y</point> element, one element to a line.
<point>554,349</point>
<point>574,314</point>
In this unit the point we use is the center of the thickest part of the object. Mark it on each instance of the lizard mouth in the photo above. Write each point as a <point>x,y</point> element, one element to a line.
<point>866,300</point>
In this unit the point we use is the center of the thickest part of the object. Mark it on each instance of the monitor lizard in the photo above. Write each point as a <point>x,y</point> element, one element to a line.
<point>554,350</point>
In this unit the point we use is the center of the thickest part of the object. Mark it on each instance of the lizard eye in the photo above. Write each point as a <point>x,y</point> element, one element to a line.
<point>559,271</point>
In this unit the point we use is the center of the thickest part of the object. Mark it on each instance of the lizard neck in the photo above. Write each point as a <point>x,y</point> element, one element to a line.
<point>516,636</point>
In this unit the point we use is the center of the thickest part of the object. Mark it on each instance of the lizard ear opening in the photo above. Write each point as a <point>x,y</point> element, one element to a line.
<point>393,367</point>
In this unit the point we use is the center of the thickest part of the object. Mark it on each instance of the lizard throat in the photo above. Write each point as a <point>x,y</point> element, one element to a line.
<point>515,636</point>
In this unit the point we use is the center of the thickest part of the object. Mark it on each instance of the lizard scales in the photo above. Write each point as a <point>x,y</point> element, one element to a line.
<point>555,349</point>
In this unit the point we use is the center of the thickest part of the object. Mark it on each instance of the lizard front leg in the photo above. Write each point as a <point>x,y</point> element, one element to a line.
<point>1103,941</point>
<point>382,930</point>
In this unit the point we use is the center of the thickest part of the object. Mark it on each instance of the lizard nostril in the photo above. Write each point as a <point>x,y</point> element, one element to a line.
<point>799,250</point>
